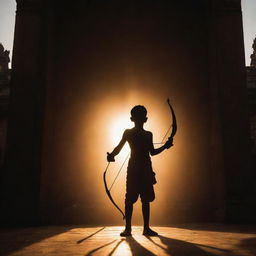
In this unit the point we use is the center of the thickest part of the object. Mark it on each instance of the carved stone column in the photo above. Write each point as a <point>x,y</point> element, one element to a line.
<point>21,173</point>
<point>230,79</point>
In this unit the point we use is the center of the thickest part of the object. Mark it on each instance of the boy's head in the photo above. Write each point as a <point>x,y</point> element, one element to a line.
<point>139,114</point>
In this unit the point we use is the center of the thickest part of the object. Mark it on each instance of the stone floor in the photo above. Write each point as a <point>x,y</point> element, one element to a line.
<point>190,240</point>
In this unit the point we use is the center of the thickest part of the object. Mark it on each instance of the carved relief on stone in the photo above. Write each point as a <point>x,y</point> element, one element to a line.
<point>4,58</point>
<point>253,56</point>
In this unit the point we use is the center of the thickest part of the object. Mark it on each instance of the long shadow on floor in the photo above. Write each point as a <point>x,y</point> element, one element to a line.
<point>137,249</point>
<point>90,253</point>
<point>176,247</point>
<point>169,246</point>
<point>12,239</point>
<point>91,235</point>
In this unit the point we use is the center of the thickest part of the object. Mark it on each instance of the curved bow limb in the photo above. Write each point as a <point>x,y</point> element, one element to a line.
<point>174,122</point>
<point>173,125</point>
<point>109,194</point>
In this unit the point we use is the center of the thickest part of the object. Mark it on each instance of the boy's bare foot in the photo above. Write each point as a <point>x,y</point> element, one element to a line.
<point>126,232</point>
<point>149,232</point>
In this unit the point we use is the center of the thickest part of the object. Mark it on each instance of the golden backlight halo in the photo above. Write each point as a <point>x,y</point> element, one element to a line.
<point>113,121</point>
<point>117,128</point>
<point>122,121</point>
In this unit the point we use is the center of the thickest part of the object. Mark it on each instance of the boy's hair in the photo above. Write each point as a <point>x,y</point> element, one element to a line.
<point>139,112</point>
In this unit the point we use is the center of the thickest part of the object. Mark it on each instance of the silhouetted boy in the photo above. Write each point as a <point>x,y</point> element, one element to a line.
<point>140,176</point>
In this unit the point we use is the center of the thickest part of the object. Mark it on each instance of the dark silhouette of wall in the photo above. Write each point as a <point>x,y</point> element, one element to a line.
<point>69,55</point>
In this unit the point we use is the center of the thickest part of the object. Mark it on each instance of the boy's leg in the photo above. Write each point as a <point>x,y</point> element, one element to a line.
<point>146,214</point>
<point>128,218</point>
<point>131,197</point>
<point>128,215</point>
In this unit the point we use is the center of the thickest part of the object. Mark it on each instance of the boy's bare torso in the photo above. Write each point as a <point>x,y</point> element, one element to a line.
<point>140,142</point>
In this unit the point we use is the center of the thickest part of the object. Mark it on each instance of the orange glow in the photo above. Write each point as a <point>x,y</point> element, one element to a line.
<point>116,130</point>
<point>102,131</point>
<point>117,119</point>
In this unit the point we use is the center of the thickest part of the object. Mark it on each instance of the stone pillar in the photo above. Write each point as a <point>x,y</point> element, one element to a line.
<point>228,52</point>
<point>5,74</point>
<point>21,172</point>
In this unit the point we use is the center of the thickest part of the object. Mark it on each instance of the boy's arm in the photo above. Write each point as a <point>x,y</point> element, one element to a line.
<point>117,149</point>
<point>155,151</point>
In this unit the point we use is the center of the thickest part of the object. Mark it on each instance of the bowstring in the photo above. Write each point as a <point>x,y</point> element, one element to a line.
<point>162,142</point>
<point>120,169</point>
